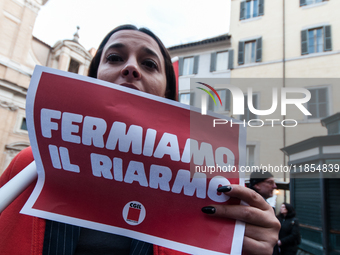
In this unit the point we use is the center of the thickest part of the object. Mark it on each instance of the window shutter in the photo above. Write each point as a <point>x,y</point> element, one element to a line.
<point>180,66</point>
<point>322,102</point>
<point>227,100</point>
<point>303,2</point>
<point>245,116</point>
<point>255,101</point>
<point>196,60</point>
<point>333,191</point>
<point>307,200</point>
<point>240,53</point>
<point>250,114</point>
<point>213,62</point>
<point>210,104</point>
<point>259,50</point>
<point>261,7</point>
<point>243,10</point>
<point>304,42</point>
<point>231,59</point>
<point>192,98</point>
<point>327,38</point>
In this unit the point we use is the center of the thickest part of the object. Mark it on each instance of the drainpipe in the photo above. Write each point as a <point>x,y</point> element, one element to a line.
<point>284,84</point>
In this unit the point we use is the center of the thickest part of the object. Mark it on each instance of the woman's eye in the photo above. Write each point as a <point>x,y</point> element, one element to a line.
<point>114,58</point>
<point>150,64</point>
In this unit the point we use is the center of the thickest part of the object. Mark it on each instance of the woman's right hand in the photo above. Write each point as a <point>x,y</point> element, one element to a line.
<point>262,226</point>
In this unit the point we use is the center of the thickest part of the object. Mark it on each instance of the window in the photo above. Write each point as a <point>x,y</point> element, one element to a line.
<point>248,115</point>
<point>225,98</point>
<point>308,2</point>
<point>313,1</point>
<point>316,40</point>
<point>20,126</point>
<point>334,128</point>
<point>23,125</point>
<point>74,66</point>
<point>187,98</point>
<point>250,155</point>
<point>188,65</point>
<point>251,9</point>
<point>220,61</point>
<point>250,51</point>
<point>318,104</point>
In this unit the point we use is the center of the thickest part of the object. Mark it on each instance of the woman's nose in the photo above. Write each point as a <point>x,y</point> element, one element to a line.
<point>131,71</point>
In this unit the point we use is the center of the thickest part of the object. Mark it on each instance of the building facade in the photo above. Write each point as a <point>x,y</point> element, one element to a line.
<point>290,44</point>
<point>20,52</point>
<point>274,48</point>
<point>209,58</point>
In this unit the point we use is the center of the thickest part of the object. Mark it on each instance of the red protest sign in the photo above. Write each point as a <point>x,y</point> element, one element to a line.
<point>125,162</point>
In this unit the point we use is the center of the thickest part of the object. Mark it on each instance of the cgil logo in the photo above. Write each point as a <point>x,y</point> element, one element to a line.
<point>134,213</point>
<point>238,100</point>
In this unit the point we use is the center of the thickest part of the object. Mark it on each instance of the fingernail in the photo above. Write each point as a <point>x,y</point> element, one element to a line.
<point>224,189</point>
<point>208,209</point>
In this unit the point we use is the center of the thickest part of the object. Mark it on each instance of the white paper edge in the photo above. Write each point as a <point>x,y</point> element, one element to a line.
<point>236,247</point>
<point>237,243</point>
<point>30,98</point>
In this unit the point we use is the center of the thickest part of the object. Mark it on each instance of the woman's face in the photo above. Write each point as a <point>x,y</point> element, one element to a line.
<point>133,59</point>
<point>283,209</point>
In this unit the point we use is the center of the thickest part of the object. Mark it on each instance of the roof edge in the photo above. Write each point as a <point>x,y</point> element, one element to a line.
<point>219,38</point>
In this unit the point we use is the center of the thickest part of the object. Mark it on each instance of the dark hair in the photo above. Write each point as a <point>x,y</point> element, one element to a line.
<point>257,177</point>
<point>169,70</point>
<point>290,211</point>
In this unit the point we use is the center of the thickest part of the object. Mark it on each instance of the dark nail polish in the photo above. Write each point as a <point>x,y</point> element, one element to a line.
<point>208,209</point>
<point>224,189</point>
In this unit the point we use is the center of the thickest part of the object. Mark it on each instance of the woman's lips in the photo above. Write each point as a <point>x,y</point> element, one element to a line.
<point>130,85</point>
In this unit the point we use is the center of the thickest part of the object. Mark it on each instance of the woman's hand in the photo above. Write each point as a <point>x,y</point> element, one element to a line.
<point>262,227</point>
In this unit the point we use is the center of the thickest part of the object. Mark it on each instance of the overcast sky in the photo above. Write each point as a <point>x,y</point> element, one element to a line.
<point>174,21</point>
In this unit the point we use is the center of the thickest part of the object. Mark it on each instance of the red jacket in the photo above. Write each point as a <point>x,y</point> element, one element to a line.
<point>23,234</point>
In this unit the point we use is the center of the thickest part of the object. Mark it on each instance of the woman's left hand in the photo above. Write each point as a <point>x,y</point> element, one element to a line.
<point>262,226</point>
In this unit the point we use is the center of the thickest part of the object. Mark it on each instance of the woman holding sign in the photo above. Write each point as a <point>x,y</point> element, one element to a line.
<point>137,59</point>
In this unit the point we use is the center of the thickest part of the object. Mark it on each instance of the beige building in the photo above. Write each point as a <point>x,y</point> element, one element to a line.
<point>272,44</point>
<point>20,52</point>
<point>297,43</point>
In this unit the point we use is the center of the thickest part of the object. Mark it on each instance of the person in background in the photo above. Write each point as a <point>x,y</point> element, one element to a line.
<point>263,183</point>
<point>289,235</point>
<point>137,59</point>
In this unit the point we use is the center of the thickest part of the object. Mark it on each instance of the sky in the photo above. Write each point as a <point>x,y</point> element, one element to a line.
<point>173,21</point>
